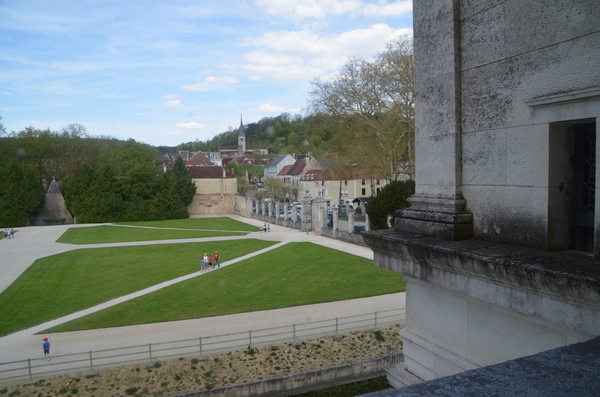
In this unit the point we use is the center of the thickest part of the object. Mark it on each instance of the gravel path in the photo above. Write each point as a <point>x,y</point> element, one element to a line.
<point>31,243</point>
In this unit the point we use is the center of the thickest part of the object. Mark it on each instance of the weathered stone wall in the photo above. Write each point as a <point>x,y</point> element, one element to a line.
<point>222,186</point>
<point>354,238</point>
<point>514,52</point>
<point>499,88</point>
<point>206,204</point>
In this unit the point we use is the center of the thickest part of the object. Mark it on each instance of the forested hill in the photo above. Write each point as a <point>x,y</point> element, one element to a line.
<point>282,134</point>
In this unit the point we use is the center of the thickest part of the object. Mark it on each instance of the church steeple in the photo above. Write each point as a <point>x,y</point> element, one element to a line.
<point>241,139</point>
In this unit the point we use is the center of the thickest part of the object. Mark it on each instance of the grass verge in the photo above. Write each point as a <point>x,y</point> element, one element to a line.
<point>293,275</point>
<point>65,283</point>
<point>222,223</point>
<point>120,234</point>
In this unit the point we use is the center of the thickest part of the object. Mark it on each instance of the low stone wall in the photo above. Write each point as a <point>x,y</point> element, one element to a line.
<point>354,238</point>
<point>301,383</point>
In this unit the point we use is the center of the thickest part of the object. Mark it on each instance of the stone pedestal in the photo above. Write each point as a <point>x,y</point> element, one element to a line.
<point>444,218</point>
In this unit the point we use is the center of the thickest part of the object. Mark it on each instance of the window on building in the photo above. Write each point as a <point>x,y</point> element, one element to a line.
<point>364,191</point>
<point>345,183</point>
<point>378,181</point>
<point>364,182</point>
<point>322,183</point>
<point>378,190</point>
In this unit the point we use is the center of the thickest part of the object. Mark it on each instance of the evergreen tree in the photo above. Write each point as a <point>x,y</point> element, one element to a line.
<point>183,184</point>
<point>79,188</point>
<point>21,195</point>
<point>391,198</point>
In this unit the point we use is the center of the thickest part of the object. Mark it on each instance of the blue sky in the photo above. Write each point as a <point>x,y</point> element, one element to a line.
<point>167,72</point>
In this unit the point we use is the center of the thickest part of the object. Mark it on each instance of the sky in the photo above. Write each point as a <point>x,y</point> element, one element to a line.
<point>168,72</point>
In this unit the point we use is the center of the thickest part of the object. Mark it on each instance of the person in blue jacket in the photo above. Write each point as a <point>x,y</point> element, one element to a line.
<point>46,346</point>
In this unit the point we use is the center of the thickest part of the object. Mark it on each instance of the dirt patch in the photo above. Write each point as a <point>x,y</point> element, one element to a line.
<point>186,375</point>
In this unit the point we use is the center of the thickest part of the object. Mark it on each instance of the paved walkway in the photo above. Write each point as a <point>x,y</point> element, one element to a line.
<point>31,243</point>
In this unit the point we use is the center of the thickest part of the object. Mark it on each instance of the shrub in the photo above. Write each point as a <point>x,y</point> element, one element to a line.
<point>391,198</point>
<point>131,391</point>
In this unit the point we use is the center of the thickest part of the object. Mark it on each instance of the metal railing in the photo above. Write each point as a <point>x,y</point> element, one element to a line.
<point>151,353</point>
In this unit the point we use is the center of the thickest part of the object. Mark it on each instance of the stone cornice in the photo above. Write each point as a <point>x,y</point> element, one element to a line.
<point>517,278</point>
<point>569,97</point>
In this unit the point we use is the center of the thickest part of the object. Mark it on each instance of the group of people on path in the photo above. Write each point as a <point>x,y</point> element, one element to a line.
<point>9,233</point>
<point>210,262</point>
<point>266,227</point>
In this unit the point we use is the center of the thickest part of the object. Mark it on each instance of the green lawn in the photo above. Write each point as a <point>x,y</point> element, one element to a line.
<point>292,275</point>
<point>223,223</point>
<point>119,234</point>
<point>61,284</point>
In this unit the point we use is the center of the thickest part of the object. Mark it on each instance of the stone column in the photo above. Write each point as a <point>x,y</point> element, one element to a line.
<point>335,220</point>
<point>319,214</point>
<point>350,213</point>
<point>305,213</point>
<point>438,206</point>
<point>368,225</point>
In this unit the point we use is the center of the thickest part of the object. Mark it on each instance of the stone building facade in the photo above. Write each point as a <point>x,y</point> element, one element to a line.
<point>501,245</point>
<point>216,188</point>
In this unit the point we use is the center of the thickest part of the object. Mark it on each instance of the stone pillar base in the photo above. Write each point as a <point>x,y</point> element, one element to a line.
<point>444,218</point>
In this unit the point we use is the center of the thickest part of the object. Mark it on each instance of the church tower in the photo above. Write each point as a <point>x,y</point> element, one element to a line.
<point>241,139</point>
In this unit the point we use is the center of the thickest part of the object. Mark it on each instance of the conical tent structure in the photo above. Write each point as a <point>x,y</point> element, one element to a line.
<point>55,211</point>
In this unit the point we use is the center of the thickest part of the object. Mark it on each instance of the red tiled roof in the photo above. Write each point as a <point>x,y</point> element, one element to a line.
<point>210,171</point>
<point>199,159</point>
<point>285,170</point>
<point>298,167</point>
<point>311,175</point>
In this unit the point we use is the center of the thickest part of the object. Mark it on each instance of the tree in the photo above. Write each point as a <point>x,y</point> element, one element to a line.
<point>257,154</point>
<point>372,101</point>
<point>79,189</point>
<point>183,185</point>
<point>2,128</point>
<point>392,197</point>
<point>254,172</point>
<point>21,195</point>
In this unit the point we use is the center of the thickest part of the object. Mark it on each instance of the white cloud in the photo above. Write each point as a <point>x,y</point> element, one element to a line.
<point>170,97</point>
<point>319,9</point>
<point>267,108</point>
<point>394,9</point>
<point>304,55</point>
<point>308,8</point>
<point>190,126</point>
<point>271,108</point>
<point>211,83</point>
<point>173,103</point>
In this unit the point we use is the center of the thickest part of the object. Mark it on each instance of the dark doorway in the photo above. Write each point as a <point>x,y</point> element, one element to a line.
<point>584,187</point>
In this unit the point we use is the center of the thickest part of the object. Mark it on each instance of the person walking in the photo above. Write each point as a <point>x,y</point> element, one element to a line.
<point>216,259</point>
<point>210,262</point>
<point>204,262</point>
<point>46,347</point>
